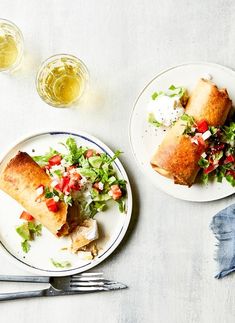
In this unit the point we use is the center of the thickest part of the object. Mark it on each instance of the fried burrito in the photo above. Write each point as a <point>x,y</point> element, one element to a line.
<point>20,179</point>
<point>177,157</point>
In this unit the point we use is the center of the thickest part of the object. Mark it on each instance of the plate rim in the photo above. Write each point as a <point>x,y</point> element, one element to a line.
<point>20,264</point>
<point>163,71</point>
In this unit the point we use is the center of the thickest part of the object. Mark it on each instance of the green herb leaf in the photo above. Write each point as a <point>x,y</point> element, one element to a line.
<point>35,228</point>
<point>23,231</point>
<point>62,264</point>
<point>47,193</point>
<point>75,152</point>
<point>25,246</point>
<point>122,205</point>
<point>203,163</point>
<point>204,178</point>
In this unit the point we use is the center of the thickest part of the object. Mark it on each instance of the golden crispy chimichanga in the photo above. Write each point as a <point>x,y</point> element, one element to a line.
<point>177,157</point>
<point>20,179</point>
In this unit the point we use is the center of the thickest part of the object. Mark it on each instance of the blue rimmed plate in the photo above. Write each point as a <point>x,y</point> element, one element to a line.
<point>113,224</point>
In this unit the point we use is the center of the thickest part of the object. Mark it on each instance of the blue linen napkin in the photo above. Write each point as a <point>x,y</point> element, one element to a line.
<point>223,227</point>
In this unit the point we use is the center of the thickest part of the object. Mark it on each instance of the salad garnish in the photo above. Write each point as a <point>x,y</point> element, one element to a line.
<point>28,231</point>
<point>83,176</point>
<point>218,159</point>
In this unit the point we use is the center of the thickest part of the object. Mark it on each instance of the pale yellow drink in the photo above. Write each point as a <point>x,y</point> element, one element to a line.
<point>61,80</point>
<point>11,45</point>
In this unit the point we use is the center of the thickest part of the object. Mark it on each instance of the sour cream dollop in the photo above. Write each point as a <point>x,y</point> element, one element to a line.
<point>166,110</point>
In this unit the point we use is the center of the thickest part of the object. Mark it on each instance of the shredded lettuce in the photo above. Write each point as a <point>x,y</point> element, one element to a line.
<point>43,159</point>
<point>171,92</point>
<point>75,152</point>
<point>153,121</point>
<point>95,169</point>
<point>28,231</point>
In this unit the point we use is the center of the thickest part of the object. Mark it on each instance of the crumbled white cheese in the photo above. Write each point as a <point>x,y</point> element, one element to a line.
<point>92,232</point>
<point>206,135</point>
<point>39,190</point>
<point>194,141</point>
<point>207,77</point>
<point>101,186</point>
<point>54,183</point>
<point>203,155</point>
<point>56,198</point>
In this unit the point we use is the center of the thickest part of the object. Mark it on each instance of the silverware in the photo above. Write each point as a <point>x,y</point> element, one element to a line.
<point>69,285</point>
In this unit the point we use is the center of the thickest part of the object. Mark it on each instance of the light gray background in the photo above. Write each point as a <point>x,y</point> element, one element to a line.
<point>167,256</point>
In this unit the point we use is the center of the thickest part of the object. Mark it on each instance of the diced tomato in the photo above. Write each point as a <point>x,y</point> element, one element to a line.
<point>52,205</point>
<point>74,185</point>
<point>26,216</point>
<point>229,159</point>
<point>96,186</point>
<point>55,160</point>
<point>202,126</point>
<point>89,153</point>
<point>210,169</point>
<point>115,192</point>
<point>63,183</point>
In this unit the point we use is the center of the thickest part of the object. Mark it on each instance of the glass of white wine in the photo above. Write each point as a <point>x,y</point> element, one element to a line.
<point>61,80</point>
<point>11,45</point>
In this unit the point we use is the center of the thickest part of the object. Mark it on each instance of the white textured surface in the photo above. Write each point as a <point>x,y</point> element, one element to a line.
<point>166,260</point>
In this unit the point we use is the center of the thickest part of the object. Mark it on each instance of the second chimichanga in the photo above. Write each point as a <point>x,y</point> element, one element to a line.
<point>197,138</point>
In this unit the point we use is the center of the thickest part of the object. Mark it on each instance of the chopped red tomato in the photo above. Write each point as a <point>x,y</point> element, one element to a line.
<point>210,169</point>
<point>202,126</point>
<point>115,192</point>
<point>229,159</point>
<point>52,205</point>
<point>89,153</point>
<point>26,216</point>
<point>96,186</point>
<point>55,160</point>
<point>63,184</point>
<point>74,185</point>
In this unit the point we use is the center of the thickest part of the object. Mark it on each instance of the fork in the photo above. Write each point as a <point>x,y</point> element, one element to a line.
<point>68,285</point>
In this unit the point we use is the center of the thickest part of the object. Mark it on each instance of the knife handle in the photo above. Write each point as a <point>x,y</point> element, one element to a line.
<point>26,279</point>
<point>18,295</point>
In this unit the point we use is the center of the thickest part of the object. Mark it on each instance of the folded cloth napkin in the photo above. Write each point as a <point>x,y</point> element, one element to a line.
<point>223,227</point>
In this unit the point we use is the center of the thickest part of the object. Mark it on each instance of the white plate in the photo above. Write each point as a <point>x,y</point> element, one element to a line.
<point>112,223</point>
<point>145,138</point>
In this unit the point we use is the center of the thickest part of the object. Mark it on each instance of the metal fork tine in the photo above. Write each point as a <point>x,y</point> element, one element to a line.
<point>82,279</point>
<point>89,288</point>
<point>106,286</point>
<point>89,283</point>
<point>87,275</point>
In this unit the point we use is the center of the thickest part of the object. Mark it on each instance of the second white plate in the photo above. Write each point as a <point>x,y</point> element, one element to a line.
<point>145,138</point>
